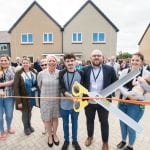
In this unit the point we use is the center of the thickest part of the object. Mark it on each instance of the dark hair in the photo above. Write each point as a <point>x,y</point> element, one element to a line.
<point>69,56</point>
<point>139,55</point>
<point>5,55</point>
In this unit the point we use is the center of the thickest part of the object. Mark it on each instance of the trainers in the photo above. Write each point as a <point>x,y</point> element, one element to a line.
<point>128,148</point>
<point>121,145</point>
<point>88,141</point>
<point>65,145</point>
<point>45,131</point>
<point>76,145</point>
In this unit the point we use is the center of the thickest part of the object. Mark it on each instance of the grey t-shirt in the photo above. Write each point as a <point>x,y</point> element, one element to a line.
<point>69,79</point>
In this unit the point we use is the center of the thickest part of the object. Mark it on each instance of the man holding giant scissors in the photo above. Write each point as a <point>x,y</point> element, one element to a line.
<point>97,77</point>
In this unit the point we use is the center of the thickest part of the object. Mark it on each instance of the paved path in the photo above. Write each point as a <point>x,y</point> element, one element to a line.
<point>37,141</point>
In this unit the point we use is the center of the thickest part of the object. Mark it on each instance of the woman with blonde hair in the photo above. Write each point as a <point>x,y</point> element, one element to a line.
<point>6,89</point>
<point>48,83</point>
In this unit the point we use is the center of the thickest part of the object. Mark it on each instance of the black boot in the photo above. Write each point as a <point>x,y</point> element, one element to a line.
<point>32,129</point>
<point>27,131</point>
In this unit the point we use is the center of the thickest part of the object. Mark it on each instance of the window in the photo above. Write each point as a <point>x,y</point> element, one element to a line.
<point>48,37</point>
<point>77,37</point>
<point>26,38</point>
<point>98,37</point>
<point>3,47</point>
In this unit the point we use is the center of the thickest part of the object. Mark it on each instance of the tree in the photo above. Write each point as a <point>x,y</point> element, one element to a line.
<point>124,55</point>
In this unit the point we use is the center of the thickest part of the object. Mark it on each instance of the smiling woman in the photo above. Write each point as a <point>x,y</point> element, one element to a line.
<point>49,86</point>
<point>132,110</point>
<point>26,79</point>
<point>7,104</point>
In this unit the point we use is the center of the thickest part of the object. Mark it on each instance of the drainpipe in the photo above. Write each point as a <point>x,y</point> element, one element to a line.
<point>62,31</point>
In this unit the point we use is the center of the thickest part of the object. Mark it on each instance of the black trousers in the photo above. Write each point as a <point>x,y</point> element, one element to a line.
<point>90,112</point>
<point>26,118</point>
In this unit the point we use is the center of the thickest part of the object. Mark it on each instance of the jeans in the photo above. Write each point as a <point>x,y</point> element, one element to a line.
<point>7,107</point>
<point>103,114</point>
<point>136,114</point>
<point>74,120</point>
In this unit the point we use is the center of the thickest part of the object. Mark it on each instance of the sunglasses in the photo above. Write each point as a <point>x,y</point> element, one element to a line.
<point>43,65</point>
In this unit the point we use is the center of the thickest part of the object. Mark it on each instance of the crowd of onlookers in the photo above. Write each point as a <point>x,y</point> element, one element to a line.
<point>27,84</point>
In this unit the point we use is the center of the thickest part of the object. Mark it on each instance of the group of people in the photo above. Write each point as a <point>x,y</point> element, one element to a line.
<point>51,84</point>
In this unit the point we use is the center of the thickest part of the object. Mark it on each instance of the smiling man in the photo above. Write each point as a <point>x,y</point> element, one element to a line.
<point>97,76</point>
<point>67,78</point>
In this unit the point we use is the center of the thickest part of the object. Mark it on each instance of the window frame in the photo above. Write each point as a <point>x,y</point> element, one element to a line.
<point>77,41</point>
<point>27,42</point>
<point>98,40</point>
<point>48,33</point>
<point>2,46</point>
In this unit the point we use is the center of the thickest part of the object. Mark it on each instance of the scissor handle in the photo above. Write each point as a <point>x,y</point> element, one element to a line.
<point>78,89</point>
<point>78,106</point>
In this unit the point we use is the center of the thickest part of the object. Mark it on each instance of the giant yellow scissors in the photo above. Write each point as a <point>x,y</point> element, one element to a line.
<point>78,91</point>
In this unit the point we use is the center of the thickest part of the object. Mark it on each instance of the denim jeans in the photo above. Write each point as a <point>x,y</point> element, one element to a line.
<point>74,120</point>
<point>136,114</point>
<point>7,107</point>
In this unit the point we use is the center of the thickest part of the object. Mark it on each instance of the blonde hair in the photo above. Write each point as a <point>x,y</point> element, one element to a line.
<point>52,56</point>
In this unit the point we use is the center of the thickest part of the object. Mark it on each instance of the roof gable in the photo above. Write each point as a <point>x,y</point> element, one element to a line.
<point>144,34</point>
<point>28,9</point>
<point>99,11</point>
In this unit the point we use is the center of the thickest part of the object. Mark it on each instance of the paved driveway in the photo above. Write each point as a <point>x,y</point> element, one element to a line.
<point>37,141</point>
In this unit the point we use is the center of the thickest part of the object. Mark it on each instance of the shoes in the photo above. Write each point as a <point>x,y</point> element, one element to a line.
<point>88,141</point>
<point>32,129</point>
<point>121,145</point>
<point>76,145</point>
<point>45,131</point>
<point>56,142</point>
<point>49,144</point>
<point>65,146</point>
<point>128,148</point>
<point>10,131</point>
<point>105,146</point>
<point>3,136</point>
<point>27,131</point>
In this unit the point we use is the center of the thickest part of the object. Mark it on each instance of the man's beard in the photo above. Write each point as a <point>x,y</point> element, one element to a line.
<point>97,63</point>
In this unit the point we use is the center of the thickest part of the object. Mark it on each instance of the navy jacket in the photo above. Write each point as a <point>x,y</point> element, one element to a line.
<point>109,76</point>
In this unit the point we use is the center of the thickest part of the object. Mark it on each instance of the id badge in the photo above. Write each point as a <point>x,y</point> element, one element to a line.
<point>94,86</point>
<point>33,89</point>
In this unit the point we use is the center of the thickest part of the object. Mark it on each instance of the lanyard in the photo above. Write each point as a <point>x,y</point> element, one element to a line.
<point>69,84</point>
<point>95,77</point>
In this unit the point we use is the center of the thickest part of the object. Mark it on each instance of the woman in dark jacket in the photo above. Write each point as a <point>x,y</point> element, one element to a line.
<point>25,84</point>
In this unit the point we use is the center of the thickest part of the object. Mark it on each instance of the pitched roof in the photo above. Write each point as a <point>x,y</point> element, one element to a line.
<point>144,34</point>
<point>90,2</point>
<point>28,9</point>
<point>4,37</point>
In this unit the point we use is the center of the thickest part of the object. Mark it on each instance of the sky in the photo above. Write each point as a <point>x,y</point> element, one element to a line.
<point>130,16</point>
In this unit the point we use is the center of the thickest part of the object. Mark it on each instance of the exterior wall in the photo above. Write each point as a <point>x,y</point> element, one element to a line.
<point>89,20</point>
<point>144,46</point>
<point>36,22</point>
